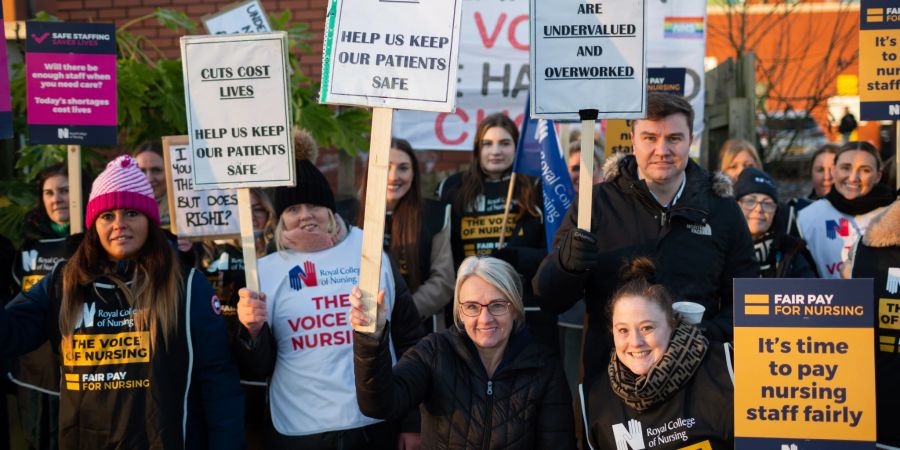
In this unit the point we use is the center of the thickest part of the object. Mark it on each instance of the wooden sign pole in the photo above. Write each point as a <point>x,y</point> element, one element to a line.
<point>76,217</point>
<point>509,195</point>
<point>248,241</point>
<point>586,173</point>
<point>373,224</point>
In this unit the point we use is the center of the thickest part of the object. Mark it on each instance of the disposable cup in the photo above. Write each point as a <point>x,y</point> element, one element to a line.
<point>689,311</point>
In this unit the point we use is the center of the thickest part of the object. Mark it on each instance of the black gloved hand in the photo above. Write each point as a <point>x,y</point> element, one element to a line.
<point>578,251</point>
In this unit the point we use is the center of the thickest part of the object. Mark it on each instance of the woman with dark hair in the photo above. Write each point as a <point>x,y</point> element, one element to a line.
<point>417,235</point>
<point>663,375</point>
<point>478,197</point>
<point>47,243</point>
<point>150,159</point>
<point>833,224</point>
<point>139,340</point>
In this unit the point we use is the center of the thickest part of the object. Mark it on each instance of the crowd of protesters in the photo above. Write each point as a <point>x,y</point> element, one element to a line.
<point>125,337</point>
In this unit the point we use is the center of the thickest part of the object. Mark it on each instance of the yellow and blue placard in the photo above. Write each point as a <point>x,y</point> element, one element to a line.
<point>804,364</point>
<point>879,60</point>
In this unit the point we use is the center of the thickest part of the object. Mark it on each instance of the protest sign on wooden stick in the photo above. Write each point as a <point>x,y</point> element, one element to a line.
<point>76,217</point>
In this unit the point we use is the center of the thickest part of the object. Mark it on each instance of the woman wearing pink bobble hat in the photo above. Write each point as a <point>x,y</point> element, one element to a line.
<point>139,338</point>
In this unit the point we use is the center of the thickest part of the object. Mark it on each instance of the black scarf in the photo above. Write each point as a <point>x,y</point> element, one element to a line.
<point>669,375</point>
<point>880,195</point>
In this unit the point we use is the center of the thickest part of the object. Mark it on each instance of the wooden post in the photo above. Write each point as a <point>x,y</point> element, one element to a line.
<point>509,194</point>
<point>248,242</point>
<point>76,217</point>
<point>586,174</point>
<point>376,203</point>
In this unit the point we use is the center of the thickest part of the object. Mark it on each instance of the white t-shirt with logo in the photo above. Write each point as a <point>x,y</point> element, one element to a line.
<point>307,297</point>
<point>831,234</point>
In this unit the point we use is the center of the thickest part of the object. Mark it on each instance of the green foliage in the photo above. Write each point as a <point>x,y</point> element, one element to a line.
<point>151,104</point>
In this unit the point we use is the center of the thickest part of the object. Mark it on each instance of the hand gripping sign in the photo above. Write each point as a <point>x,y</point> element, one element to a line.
<point>238,99</point>
<point>388,54</point>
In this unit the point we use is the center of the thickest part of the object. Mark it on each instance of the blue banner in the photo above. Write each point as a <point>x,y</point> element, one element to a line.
<point>538,155</point>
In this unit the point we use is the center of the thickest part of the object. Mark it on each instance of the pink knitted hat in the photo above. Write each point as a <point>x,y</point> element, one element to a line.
<point>122,185</point>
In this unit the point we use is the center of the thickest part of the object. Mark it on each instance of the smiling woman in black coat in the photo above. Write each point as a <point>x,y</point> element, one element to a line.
<point>484,383</point>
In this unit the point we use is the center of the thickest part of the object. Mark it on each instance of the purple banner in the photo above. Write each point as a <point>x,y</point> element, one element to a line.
<point>71,83</point>
<point>6,128</point>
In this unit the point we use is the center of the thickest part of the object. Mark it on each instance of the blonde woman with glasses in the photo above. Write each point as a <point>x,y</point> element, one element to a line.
<point>485,383</point>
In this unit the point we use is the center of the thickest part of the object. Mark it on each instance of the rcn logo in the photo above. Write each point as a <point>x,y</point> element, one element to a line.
<point>631,438</point>
<point>87,316</point>
<point>29,260</point>
<point>62,133</point>
<point>305,276</point>
<point>788,446</point>
<point>834,229</point>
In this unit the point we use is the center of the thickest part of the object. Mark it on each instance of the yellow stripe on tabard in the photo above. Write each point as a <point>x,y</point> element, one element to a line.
<point>756,310</point>
<point>705,445</point>
<point>887,348</point>
<point>886,339</point>
<point>72,376</point>
<point>73,386</point>
<point>756,299</point>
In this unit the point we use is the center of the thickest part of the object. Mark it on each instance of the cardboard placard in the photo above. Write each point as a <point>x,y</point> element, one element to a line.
<point>804,364</point>
<point>240,18</point>
<point>879,59</point>
<point>588,55</point>
<point>71,83</point>
<point>391,54</point>
<point>196,214</point>
<point>238,100</point>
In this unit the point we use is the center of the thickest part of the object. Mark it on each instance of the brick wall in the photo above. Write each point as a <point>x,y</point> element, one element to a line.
<point>122,11</point>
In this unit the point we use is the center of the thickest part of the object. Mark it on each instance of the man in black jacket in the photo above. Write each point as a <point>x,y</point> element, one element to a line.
<point>655,203</point>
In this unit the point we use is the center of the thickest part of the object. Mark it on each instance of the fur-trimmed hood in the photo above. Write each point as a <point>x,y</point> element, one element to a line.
<point>719,183</point>
<point>884,230</point>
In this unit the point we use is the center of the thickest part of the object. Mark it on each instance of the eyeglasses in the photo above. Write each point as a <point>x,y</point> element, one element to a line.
<point>750,203</point>
<point>473,309</point>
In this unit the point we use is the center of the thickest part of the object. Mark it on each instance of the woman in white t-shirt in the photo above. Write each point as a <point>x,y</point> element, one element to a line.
<point>833,224</point>
<point>296,330</point>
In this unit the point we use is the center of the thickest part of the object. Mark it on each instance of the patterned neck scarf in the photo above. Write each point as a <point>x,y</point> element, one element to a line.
<point>676,367</point>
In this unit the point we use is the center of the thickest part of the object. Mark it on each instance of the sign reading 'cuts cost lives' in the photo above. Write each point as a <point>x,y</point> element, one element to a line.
<point>805,364</point>
<point>238,110</point>
<point>588,55</point>
<point>391,54</point>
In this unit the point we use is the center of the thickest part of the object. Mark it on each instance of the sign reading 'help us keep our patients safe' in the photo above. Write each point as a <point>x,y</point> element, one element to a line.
<point>238,110</point>
<point>399,54</point>
<point>71,82</point>
<point>804,372</point>
<point>588,55</point>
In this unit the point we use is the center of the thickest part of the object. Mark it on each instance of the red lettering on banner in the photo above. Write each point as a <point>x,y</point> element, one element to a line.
<point>439,127</point>
<point>489,41</point>
<point>479,116</point>
<point>512,33</point>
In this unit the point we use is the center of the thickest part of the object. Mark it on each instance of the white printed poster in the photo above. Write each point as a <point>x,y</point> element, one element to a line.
<point>238,100</point>
<point>241,18</point>
<point>588,55</point>
<point>196,214</point>
<point>391,54</point>
<point>494,69</point>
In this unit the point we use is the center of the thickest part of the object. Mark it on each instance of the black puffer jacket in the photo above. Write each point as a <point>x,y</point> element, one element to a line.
<point>699,245</point>
<point>525,405</point>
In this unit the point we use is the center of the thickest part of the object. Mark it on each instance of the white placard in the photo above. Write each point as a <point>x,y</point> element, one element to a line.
<point>242,18</point>
<point>391,53</point>
<point>588,54</point>
<point>239,110</point>
<point>196,214</point>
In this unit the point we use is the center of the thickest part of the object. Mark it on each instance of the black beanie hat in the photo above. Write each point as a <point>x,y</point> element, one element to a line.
<point>755,181</point>
<point>312,187</point>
